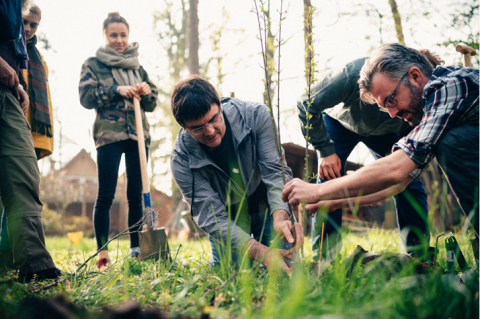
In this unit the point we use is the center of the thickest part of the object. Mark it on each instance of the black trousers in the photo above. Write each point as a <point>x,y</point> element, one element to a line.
<point>108,161</point>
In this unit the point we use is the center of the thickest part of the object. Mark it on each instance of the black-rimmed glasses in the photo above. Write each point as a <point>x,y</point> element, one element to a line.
<point>212,123</point>
<point>390,101</point>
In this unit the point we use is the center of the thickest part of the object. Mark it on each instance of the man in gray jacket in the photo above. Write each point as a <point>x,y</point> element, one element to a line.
<point>340,120</point>
<point>225,163</point>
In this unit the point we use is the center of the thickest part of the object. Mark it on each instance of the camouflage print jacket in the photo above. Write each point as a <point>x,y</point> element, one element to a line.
<point>114,121</point>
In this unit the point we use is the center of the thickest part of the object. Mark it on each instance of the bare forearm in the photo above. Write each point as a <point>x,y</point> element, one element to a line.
<point>380,175</point>
<point>371,199</point>
<point>376,177</point>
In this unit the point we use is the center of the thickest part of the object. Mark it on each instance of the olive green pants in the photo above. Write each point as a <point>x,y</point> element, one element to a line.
<point>19,186</point>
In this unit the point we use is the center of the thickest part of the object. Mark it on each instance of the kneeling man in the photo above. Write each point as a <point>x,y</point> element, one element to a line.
<point>225,163</point>
<point>442,106</point>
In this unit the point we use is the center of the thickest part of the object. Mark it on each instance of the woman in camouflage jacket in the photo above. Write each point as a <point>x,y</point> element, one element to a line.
<point>109,82</point>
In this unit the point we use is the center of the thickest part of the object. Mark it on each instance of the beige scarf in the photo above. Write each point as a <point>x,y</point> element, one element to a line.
<point>124,66</point>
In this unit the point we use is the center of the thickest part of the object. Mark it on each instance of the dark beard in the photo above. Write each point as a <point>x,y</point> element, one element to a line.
<point>415,106</point>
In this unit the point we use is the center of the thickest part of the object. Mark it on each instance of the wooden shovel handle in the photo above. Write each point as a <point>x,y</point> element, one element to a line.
<point>464,49</point>
<point>141,146</point>
<point>467,53</point>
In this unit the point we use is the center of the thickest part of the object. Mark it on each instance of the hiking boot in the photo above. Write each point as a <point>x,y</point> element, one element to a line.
<point>51,273</point>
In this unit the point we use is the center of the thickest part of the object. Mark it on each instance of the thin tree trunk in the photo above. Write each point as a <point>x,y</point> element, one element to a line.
<point>193,41</point>
<point>398,21</point>
<point>306,33</point>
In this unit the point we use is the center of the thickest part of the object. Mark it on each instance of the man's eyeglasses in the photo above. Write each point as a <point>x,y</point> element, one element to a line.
<point>216,120</point>
<point>390,101</point>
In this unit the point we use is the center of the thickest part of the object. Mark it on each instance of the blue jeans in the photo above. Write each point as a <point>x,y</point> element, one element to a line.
<point>411,204</point>
<point>261,229</point>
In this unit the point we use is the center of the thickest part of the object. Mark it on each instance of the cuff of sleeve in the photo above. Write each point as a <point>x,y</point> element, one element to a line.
<point>113,92</point>
<point>418,157</point>
<point>416,173</point>
<point>114,89</point>
<point>278,206</point>
<point>326,151</point>
<point>242,240</point>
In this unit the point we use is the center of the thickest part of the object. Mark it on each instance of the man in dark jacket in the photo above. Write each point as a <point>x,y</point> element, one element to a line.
<point>340,120</point>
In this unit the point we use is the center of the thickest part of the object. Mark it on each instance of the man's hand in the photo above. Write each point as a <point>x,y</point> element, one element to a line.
<point>329,167</point>
<point>271,258</point>
<point>283,227</point>
<point>8,77</point>
<point>128,92</point>
<point>143,89</point>
<point>23,98</point>
<point>297,191</point>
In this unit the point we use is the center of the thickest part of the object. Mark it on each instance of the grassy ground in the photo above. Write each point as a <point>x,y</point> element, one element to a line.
<point>377,290</point>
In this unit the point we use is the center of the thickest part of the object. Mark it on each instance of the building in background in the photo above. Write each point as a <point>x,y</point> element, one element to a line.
<point>71,191</point>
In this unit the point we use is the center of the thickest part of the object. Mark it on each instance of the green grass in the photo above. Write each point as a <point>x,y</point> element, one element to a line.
<point>372,291</point>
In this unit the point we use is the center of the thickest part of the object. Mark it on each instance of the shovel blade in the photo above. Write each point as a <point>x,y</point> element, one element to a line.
<point>154,244</point>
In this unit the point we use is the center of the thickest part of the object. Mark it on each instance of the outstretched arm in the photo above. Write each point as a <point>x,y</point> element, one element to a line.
<point>380,175</point>
<point>372,199</point>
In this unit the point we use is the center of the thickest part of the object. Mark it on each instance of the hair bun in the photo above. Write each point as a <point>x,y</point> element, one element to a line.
<point>114,17</point>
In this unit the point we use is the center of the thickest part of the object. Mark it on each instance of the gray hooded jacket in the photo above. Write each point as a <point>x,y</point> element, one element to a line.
<point>204,185</point>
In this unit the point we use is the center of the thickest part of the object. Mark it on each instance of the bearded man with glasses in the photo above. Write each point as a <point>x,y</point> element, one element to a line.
<point>440,104</point>
<point>225,163</point>
<point>339,121</point>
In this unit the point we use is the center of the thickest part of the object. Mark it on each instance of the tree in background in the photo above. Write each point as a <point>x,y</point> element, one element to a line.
<point>177,27</point>
<point>192,39</point>
<point>397,20</point>
<point>171,28</point>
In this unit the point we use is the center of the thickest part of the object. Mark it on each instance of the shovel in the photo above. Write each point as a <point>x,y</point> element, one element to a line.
<point>153,242</point>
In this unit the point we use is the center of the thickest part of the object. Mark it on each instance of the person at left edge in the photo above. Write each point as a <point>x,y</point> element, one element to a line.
<point>19,174</point>
<point>40,113</point>
<point>109,82</point>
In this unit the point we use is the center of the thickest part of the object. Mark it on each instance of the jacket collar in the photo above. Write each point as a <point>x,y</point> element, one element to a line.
<point>234,112</point>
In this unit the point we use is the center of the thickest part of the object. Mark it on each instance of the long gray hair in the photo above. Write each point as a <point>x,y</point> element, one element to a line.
<point>393,60</point>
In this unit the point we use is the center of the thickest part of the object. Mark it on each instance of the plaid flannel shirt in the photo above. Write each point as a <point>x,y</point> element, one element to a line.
<point>450,99</point>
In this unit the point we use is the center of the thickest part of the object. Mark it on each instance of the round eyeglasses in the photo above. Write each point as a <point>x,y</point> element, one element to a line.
<point>215,121</point>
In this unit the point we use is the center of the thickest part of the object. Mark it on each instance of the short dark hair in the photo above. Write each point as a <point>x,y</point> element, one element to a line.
<point>114,17</point>
<point>192,98</point>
